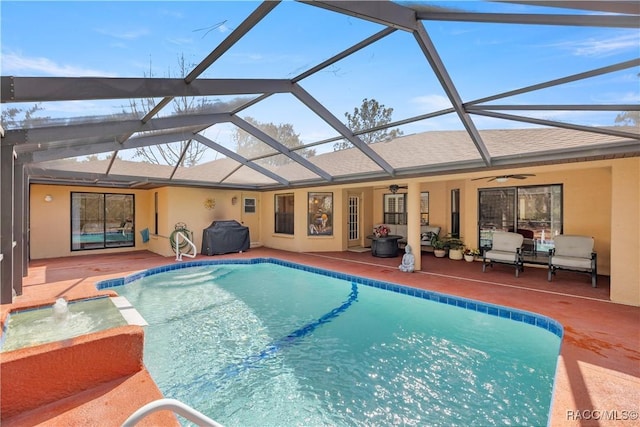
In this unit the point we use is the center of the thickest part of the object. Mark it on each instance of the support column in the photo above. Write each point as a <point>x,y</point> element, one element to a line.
<point>6,227</point>
<point>625,231</point>
<point>18,227</point>
<point>413,221</point>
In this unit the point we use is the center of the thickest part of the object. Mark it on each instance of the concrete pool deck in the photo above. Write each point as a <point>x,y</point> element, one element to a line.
<point>598,374</point>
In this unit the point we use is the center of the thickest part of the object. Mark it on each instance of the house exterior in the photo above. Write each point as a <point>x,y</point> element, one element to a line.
<point>600,198</point>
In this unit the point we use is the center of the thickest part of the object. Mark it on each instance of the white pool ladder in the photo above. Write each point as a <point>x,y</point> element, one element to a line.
<point>179,254</point>
<point>174,405</point>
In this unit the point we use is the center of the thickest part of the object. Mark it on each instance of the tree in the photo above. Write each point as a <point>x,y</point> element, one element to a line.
<point>251,147</point>
<point>371,114</point>
<point>19,118</point>
<point>628,118</point>
<point>170,154</point>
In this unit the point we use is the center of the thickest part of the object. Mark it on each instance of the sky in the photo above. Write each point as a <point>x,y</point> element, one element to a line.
<point>138,39</point>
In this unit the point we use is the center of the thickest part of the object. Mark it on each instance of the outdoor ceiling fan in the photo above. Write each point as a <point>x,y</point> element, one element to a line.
<point>394,188</point>
<point>505,178</point>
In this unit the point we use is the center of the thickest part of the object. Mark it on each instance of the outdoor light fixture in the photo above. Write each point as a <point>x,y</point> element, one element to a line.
<point>502,179</point>
<point>48,198</point>
<point>234,200</point>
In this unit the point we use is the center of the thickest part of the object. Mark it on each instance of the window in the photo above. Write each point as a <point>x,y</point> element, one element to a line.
<point>536,208</point>
<point>249,205</point>
<point>424,208</point>
<point>284,213</point>
<point>101,220</point>
<point>320,214</point>
<point>395,209</point>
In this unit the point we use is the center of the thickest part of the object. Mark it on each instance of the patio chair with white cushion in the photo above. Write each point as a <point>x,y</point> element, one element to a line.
<point>573,253</point>
<point>506,249</point>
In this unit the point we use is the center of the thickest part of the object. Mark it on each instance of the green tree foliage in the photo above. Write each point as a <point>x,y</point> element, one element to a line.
<point>251,147</point>
<point>371,114</point>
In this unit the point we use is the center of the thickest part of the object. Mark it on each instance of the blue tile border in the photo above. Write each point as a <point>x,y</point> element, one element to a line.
<point>514,314</point>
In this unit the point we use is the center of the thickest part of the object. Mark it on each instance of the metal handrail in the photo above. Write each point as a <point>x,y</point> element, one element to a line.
<point>186,239</point>
<point>174,405</point>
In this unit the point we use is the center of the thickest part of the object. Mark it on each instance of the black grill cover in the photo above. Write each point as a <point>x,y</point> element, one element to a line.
<point>223,237</point>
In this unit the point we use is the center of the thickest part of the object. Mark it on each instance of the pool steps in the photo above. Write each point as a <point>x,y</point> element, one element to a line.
<point>130,314</point>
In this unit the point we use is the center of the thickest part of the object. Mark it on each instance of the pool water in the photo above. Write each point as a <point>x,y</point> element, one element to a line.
<point>31,327</point>
<point>269,345</point>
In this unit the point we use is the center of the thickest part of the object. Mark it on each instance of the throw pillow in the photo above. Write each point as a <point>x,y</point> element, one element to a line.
<point>427,236</point>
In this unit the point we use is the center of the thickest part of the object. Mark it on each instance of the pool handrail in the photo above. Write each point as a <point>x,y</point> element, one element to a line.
<point>174,405</point>
<point>189,242</point>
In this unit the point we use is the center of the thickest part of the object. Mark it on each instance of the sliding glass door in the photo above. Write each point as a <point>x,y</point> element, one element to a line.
<point>535,211</point>
<point>101,220</point>
<point>497,213</point>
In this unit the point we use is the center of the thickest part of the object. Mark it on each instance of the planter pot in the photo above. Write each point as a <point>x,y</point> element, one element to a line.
<point>469,258</point>
<point>455,254</point>
<point>439,253</point>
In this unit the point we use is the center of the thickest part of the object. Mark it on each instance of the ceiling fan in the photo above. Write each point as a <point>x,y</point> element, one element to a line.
<point>394,188</point>
<point>505,178</point>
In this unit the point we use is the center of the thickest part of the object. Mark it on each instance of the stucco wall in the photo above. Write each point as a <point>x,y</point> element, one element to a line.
<point>301,241</point>
<point>50,222</point>
<point>625,232</point>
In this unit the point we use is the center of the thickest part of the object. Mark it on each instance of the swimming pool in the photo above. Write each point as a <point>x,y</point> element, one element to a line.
<point>264,342</point>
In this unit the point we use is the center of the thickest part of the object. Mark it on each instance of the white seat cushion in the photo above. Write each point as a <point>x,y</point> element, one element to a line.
<point>503,256</point>
<point>571,262</point>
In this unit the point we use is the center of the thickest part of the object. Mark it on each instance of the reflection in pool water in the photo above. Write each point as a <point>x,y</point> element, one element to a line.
<point>265,344</point>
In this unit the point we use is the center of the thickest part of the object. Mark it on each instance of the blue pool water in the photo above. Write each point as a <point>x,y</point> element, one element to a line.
<point>269,345</point>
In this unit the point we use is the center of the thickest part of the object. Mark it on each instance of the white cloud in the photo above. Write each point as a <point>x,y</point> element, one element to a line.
<point>13,63</point>
<point>629,97</point>
<point>181,41</point>
<point>601,47</point>
<point>126,35</point>
<point>432,102</point>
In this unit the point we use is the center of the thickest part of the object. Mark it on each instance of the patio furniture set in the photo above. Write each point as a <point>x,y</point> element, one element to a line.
<point>570,252</point>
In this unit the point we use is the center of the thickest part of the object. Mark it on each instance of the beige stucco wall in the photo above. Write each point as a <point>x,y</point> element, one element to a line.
<point>625,232</point>
<point>187,205</point>
<point>300,241</point>
<point>601,199</point>
<point>50,222</point>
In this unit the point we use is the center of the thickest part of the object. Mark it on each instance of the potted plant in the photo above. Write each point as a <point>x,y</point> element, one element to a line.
<point>439,249</point>
<point>471,254</point>
<point>456,247</point>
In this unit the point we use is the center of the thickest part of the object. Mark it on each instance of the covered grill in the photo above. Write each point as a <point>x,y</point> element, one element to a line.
<point>223,237</point>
